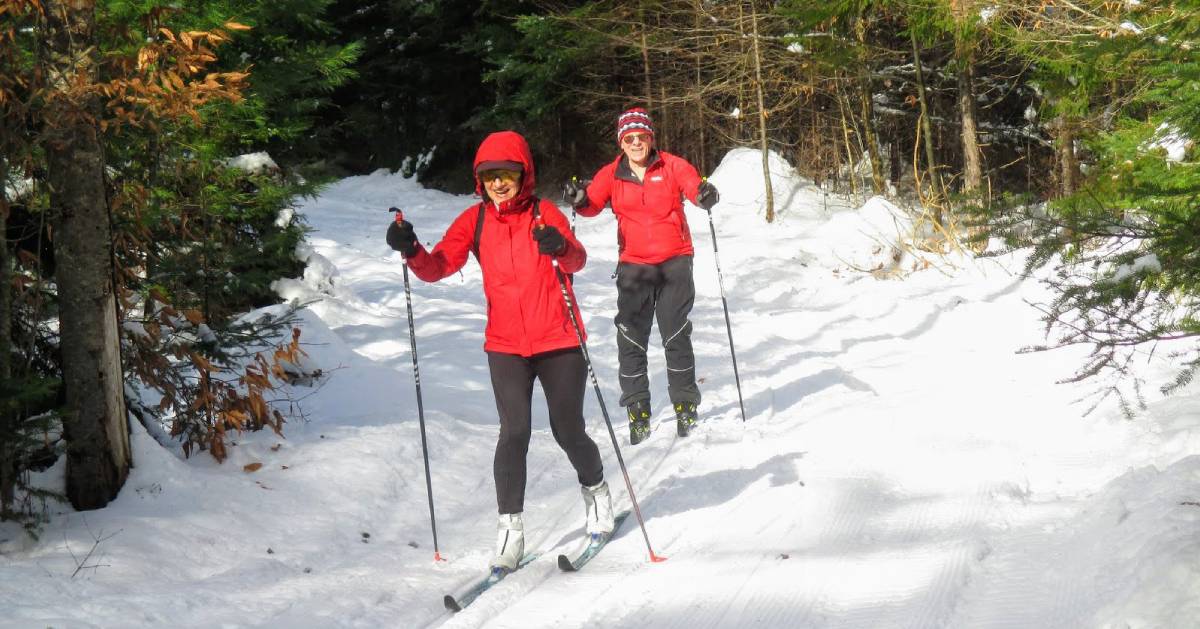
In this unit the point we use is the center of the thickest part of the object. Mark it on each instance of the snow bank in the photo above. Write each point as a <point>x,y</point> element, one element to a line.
<point>17,190</point>
<point>821,228</point>
<point>1143,525</point>
<point>1174,142</point>
<point>739,177</point>
<point>253,163</point>
<point>867,239</point>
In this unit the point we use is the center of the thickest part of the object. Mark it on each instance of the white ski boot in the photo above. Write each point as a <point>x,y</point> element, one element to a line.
<point>510,542</point>
<point>598,504</point>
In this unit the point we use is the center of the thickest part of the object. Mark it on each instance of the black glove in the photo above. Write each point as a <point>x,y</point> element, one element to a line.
<point>402,238</point>
<point>550,241</point>
<point>575,193</point>
<point>707,196</point>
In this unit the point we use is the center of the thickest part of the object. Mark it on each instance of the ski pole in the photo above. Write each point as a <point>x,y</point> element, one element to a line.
<point>587,359</point>
<point>725,306</point>
<point>412,339</point>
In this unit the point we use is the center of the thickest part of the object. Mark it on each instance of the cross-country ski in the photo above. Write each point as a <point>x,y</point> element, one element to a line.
<point>459,600</point>
<point>592,547</point>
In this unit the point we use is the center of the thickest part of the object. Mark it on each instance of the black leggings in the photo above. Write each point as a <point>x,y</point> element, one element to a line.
<point>563,374</point>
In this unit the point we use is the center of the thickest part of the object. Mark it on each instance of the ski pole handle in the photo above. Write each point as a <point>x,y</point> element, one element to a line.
<point>399,214</point>
<point>539,224</point>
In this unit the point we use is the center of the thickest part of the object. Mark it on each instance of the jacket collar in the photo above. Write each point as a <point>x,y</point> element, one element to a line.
<point>626,173</point>
<point>515,205</point>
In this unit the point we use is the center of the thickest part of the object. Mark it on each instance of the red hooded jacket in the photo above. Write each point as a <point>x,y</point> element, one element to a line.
<point>651,227</point>
<point>526,314</point>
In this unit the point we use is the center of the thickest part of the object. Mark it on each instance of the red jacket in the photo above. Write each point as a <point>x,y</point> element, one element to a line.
<point>651,227</point>
<point>526,314</point>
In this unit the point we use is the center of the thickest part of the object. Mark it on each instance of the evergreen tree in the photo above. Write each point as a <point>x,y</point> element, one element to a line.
<point>414,88</point>
<point>196,238</point>
<point>544,74</point>
<point>296,59</point>
<point>1124,246</point>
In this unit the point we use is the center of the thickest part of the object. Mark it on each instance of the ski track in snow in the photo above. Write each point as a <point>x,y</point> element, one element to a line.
<point>772,590</point>
<point>900,466</point>
<point>861,551</point>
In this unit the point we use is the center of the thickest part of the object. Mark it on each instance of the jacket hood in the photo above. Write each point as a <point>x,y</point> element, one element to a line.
<point>507,146</point>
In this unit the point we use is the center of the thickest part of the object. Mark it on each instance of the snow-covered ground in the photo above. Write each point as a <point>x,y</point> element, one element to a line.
<point>900,465</point>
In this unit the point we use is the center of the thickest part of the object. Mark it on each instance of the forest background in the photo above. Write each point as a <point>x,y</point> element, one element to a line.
<point>151,152</point>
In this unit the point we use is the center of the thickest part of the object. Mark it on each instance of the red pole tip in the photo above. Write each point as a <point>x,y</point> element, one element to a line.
<point>656,558</point>
<point>438,556</point>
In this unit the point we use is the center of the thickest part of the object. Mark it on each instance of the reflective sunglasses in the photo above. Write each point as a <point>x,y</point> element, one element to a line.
<point>504,175</point>
<point>637,137</point>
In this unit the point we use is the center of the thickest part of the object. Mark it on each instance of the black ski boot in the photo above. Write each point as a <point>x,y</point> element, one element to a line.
<point>639,421</point>
<point>685,418</point>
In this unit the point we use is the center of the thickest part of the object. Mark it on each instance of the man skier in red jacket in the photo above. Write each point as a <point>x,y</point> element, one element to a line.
<point>529,334</point>
<point>654,273</point>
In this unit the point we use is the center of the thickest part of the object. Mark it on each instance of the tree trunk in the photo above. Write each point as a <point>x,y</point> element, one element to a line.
<point>871,136</point>
<point>895,160</point>
<point>95,425</point>
<point>7,464</point>
<point>868,110</point>
<point>5,279</point>
<point>972,159</point>
<point>664,122</point>
<point>817,152</point>
<point>1070,171</point>
<point>646,71</point>
<point>762,117</point>
<point>843,106</point>
<point>741,86</point>
<point>926,128</point>
<point>150,244</point>
<point>700,122</point>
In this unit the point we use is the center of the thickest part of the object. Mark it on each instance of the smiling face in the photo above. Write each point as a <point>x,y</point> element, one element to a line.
<point>637,147</point>
<point>501,185</point>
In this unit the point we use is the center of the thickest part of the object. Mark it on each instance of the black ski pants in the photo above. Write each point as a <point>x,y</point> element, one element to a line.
<point>563,374</point>
<point>664,291</point>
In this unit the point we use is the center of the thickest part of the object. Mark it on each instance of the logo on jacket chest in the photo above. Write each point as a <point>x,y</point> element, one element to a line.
<point>656,178</point>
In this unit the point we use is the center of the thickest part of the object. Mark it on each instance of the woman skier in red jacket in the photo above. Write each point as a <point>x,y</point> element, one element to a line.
<point>654,271</point>
<point>529,334</point>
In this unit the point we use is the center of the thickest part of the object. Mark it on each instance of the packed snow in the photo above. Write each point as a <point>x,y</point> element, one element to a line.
<point>254,163</point>
<point>1172,141</point>
<point>900,463</point>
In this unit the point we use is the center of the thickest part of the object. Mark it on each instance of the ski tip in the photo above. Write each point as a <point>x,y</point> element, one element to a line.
<point>656,558</point>
<point>451,604</point>
<point>564,564</point>
<point>437,556</point>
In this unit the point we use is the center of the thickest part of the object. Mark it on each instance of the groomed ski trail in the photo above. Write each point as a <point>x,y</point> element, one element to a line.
<point>853,496</point>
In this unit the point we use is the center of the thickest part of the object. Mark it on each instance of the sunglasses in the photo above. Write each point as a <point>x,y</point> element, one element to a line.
<point>637,137</point>
<point>503,175</point>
